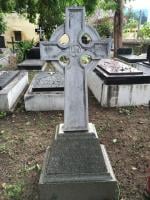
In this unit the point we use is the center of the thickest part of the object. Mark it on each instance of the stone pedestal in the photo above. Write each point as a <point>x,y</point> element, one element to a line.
<point>77,167</point>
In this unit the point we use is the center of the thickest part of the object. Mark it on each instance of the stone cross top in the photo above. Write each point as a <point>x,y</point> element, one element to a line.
<point>40,31</point>
<point>79,54</point>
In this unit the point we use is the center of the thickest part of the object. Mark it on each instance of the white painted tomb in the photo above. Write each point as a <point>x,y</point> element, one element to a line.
<point>46,92</point>
<point>12,86</point>
<point>115,84</point>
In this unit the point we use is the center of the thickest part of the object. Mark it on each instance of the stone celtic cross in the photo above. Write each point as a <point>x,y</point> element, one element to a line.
<point>75,50</point>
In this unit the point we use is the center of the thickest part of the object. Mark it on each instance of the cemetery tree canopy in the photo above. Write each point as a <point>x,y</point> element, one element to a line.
<point>117,6</point>
<point>50,12</point>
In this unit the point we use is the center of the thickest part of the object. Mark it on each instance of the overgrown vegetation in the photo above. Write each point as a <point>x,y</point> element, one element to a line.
<point>2,114</point>
<point>105,28</point>
<point>2,24</point>
<point>144,32</point>
<point>22,48</point>
<point>131,25</point>
<point>13,191</point>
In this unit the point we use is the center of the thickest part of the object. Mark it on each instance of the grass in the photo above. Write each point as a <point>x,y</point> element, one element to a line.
<point>13,191</point>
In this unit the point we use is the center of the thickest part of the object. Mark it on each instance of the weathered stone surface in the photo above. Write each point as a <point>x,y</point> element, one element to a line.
<point>48,81</point>
<point>76,156</point>
<point>76,104</point>
<point>77,167</point>
<point>120,90</point>
<point>31,64</point>
<point>46,92</point>
<point>113,74</point>
<point>11,93</point>
<point>6,77</point>
<point>114,67</point>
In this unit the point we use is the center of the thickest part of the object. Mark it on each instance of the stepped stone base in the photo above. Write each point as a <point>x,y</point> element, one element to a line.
<point>77,167</point>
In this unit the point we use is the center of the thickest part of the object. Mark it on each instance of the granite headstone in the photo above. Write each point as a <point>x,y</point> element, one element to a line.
<point>76,166</point>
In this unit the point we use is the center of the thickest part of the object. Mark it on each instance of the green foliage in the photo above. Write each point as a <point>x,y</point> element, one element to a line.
<point>14,191</point>
<point>105,28</point>
<point>126,110</point>
<point>2,24</point>
<point>131,25</point>
<point>108,4</point>
<point>144,32</point>
<point>7,5</point>
<point>50,12</point>
<point>2,114</point>
<point>22,48</point>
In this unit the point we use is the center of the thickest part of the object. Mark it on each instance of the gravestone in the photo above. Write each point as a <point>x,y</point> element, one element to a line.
<point>2,42</point>
<point>145,66</point>
<point>40,31</point>
<point>124,51</point>
<point>12,86</point>
<point>32,61</point>
<point>33,53</point>
<point>125,54</point>
<point>148,57</point>
<point>46,92</point>
<point>115,84</point>
<point>76,166</point>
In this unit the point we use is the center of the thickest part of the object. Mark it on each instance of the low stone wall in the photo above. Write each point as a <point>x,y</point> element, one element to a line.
<point>137,45</point>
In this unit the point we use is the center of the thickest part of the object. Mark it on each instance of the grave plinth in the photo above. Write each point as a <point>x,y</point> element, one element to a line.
<point>76,166</point>
<point>32,64</point>
<point>116,84</point>
<point>46,92</point>
<point>12,86</point>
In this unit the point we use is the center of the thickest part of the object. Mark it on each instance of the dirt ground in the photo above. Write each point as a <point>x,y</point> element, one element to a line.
<point>24,137</point>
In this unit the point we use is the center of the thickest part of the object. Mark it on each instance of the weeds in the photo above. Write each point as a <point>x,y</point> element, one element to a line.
<point>2,115</point>
<point>13,191</point>
<point>126,110</point>
<point>3,148</point>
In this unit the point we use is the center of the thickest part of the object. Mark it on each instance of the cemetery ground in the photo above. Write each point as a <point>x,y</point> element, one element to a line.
<point>24,137</point>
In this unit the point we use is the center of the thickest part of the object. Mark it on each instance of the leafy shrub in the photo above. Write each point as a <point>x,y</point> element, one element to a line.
<point>22,48</point>
<point>144,32</point>
<point>14,191</point>
<point>131,25</point>
<point>105,28</point>
<point>2,24</point>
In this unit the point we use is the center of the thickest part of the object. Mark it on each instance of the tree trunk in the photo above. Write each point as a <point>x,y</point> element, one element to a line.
<point>118,23</point>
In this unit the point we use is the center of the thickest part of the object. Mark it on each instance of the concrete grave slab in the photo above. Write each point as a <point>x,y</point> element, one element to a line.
<point>143,66</point>
<point>12,86</point>
<point>32,64</point>
<point>129,87</point>
<point>46,92</point>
